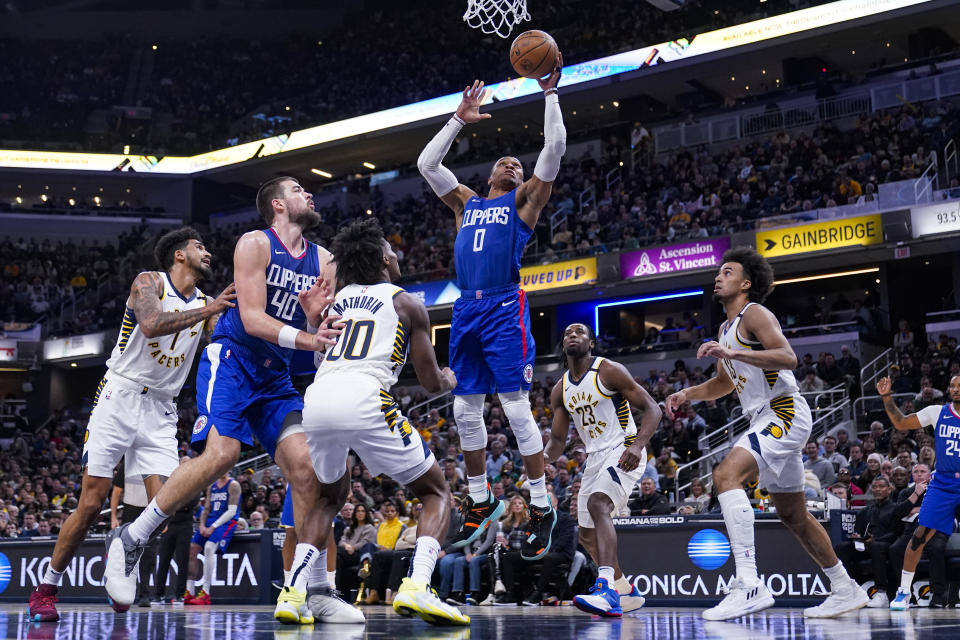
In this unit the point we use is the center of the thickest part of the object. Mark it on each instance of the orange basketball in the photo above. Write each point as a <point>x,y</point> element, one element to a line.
<point>533,54</point>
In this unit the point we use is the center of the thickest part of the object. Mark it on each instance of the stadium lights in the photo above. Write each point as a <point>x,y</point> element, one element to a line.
<point>321,172</point>
<point>824,276</point>
<point>433,332</point>
<point>369,212</point>
<point>19,200</point>
<point>618,303</point>
<point>126,149</point>
<point>154,47</point>
<point>73,364</point>
<point>43,197</point>
<point>369,165</point>
<point>616,103</point>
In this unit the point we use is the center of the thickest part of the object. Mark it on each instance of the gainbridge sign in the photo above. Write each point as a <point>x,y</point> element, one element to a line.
<point>818,236</point>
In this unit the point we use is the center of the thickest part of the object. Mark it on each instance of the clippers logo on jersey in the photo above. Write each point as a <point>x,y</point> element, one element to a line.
<point>489,243</point>
<point>287,285</point>
<point>947,441</point>
<point>490,215</point>
<point>219,499</point>
<point>199,425</point>
<point>528,373</point>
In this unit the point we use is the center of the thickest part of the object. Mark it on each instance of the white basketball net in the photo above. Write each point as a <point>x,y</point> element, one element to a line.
<point>496,16</point>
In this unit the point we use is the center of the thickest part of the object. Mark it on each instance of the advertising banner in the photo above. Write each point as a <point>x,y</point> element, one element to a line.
<point>931,219</point>
<point>559,274</point>
<point>675,258</point>
<point>818,236</point>
<point>8,350</point>
<point>243,574</point>
<point>89,344</point>
<point>690,563</point>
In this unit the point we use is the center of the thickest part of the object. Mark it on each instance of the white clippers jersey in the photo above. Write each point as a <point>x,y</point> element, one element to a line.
<point>374,341</point>
<point>160,363</point>
<point>601,416</point>
<point>755,386</point>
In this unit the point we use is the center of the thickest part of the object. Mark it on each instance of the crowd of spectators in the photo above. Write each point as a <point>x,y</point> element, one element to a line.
<point>219,91</point>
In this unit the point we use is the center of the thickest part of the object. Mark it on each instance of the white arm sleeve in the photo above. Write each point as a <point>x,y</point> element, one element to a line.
<point>554,140</point>
<point>440,179</point>
<point>226,517</point>
<point>928,416</point>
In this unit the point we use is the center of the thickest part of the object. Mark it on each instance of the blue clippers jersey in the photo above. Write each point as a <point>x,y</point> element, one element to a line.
<point>490,243</point>
<point>287,275</point>
<point>947,436</point>
<point>219,499</point>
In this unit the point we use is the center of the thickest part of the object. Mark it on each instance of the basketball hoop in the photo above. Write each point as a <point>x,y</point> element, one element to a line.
<point>496,16</point>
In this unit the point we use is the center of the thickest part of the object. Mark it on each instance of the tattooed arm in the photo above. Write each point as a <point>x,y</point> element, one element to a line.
<point>145,295</point>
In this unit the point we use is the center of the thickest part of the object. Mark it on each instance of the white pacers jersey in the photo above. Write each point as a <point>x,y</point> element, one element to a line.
<point>755,387</point>
<point>160,363</point>
<point>374,341</point>
<point>601,416</point>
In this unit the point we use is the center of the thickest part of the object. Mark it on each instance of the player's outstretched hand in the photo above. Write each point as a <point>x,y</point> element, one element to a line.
<point>551,80</point>
<point>327,333</point>
<point>316,300</point>
<point>883,386</point>
<point>674,400</point>
<point>713,349</point>
<point>225,300</point>
<point>450,377</point>
<point>473,97</point>
<point>630,459</point>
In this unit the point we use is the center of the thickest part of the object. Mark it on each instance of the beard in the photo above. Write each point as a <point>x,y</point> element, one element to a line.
<point>306,219</point>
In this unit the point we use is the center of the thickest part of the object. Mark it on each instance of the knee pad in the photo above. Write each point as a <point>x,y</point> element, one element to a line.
<point>516,406</point>
<point>468,413</point>
<point>918,539</point>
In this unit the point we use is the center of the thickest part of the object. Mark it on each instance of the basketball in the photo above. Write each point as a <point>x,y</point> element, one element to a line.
<point>533,54</point>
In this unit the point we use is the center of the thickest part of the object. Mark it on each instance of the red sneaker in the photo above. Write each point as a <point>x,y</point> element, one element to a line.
<point>202,599</point>
<point>42,604</point>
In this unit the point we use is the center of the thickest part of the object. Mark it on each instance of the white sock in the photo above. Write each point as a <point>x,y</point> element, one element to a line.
<point>738,516</point>
<point>424,559</point>
<point>191,586</point>
<point>838,575</point>
<point>332,577</point>
<point>209,565</point>
<point>303,561</point>
<point>607,574</point>
<point>906,580</point>
<point>53,576</point>
<point>286,577</point>
<point>318,573</point>
<point>146,523</point>
<point>478,488</point>
<point>538,492</point>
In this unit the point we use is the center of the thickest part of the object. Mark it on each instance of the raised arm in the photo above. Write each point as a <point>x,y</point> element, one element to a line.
<point>900,422</point>
<point>414,317</point>
<point>153,321</point>
<point>561,424</point>
<point>441,180</point>
<point>533,195</point>
<point>250,260</point>
<point>615,377</point>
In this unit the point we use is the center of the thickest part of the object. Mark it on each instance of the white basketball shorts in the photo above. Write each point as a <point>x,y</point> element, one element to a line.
<point>351,411</point>
<point>131,420</point>
<point>778,432</point>
<point>603,475</point>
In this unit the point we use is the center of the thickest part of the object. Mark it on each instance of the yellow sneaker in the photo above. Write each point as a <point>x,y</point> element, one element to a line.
<point>418,599</point>
<point>292,607</point>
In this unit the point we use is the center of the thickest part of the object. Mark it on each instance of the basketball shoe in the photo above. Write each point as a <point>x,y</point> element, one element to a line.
<point>328,607</point>
<point>740,600</point>
<point>292,607</point>
<point>537,544</point>
<point>901,601</point>
<point>844,598</point>
<point>630,598</point>
<point>477,517</point>
<point>120,573</point>
<point>201,599</point>
<point>602,600</point>
<point>42,604</point>
<point>418,599</point>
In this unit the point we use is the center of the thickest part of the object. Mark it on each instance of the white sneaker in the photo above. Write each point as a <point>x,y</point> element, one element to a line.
<point>879,600</point>
<point>488,601</point>
<point>740,600</point>
<point>630,598</point>
<point>843,600</point>
<point>901,601</point>
<point>327,607</point>
<point>120,571</point>
<point>498,588</point>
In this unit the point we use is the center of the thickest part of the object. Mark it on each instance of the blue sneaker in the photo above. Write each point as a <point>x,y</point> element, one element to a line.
<point>603,600</point>
<point>901,601</point>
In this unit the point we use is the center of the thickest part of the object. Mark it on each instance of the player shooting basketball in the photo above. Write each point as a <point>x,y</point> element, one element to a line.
<point>491,346</point>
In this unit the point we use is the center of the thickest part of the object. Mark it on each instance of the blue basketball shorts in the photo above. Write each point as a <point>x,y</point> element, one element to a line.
<point>286,518</point>
<point>491,346</point>
<point>241,399</point>
<point>939,503</point>
<point>221,536</point>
